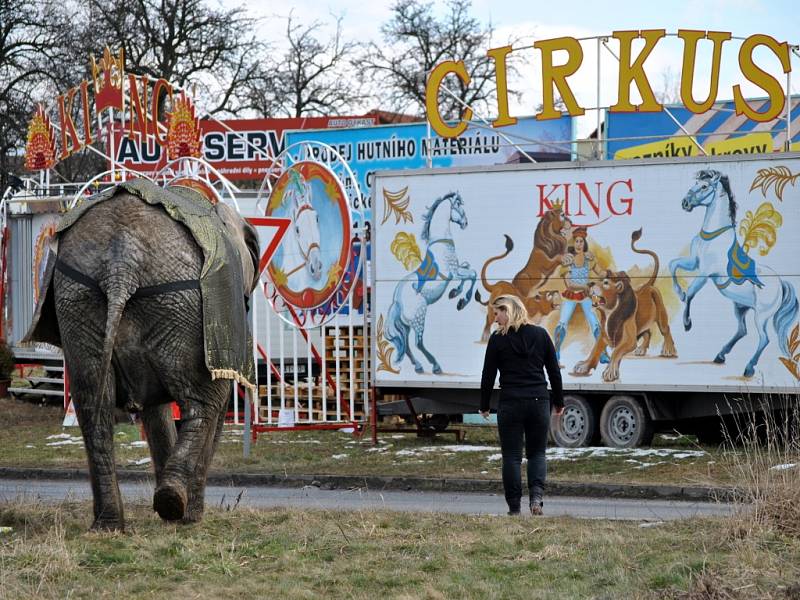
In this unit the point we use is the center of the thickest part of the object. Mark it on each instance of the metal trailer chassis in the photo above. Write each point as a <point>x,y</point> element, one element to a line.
<point>622,419</point>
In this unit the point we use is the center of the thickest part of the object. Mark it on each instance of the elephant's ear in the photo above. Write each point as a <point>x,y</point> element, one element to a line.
<point>245,239</point>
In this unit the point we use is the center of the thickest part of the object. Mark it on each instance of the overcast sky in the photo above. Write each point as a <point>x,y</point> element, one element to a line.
<point>542,20</point>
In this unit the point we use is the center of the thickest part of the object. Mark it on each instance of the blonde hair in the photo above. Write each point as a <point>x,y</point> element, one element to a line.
<point>517,313</point>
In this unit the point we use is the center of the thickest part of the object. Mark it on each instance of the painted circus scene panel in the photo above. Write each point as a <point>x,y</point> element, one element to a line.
<point>680,274</point>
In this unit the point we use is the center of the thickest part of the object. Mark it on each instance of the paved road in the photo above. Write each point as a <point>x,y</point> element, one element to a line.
<point>313,497</point>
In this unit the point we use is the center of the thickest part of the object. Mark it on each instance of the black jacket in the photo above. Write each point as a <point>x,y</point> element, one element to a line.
<point>521,357</point>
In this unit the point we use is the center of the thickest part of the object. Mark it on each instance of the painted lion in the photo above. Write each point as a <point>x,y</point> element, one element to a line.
<point>549,245</point>
<point>626,316</point>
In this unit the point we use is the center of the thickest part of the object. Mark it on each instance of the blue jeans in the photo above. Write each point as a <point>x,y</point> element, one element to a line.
<point>518,420</point>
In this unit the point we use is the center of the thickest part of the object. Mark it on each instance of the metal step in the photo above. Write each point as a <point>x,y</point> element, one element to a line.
<point>39,356</point>
<point>45,380</point>
<point>35,391</point>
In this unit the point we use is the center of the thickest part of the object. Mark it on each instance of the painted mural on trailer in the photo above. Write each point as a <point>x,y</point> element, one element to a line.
<point>664,274</point>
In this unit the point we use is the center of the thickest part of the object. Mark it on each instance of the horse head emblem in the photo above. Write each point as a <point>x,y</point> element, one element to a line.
<point>702,192</point>
<point>305,221</point>
<point>457,213</point>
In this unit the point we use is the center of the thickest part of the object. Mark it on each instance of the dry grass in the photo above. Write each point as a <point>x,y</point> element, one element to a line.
<point>763,457</point>
<point>283,553</point>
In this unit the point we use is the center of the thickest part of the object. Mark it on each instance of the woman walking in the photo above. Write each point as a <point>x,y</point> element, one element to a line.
<point>521,352</point>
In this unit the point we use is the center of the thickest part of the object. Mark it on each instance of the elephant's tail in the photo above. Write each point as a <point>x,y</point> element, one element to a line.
<point>785,316</point>
<point>396,330</point>
<point>117,296</point>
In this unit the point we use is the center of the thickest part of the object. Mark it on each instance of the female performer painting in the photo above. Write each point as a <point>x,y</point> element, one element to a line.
<point>579,264</point>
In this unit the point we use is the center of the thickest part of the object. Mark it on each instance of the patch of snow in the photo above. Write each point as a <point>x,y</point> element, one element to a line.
<point>30,446</point>
<point>141,461</point>
<point>59,436</point>
<point>340,456</point>
<point>494,457</point>
<point>397,436</point>
<point>406,453</point>
<point>651,524</point>
<point>382,449</point>
<point>138,444</point>
<point>72,442</point>
<point>783,467</point>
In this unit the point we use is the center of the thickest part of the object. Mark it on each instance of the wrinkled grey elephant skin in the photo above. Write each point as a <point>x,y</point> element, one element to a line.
<point>142,353</point>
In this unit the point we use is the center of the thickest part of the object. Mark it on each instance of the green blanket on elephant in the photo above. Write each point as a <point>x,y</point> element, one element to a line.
<point>227,341</point>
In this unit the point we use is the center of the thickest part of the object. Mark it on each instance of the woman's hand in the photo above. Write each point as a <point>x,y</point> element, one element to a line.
<point>558,410</point>
<point>484,414</point>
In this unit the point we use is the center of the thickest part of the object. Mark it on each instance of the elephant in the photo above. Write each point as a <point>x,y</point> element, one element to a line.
<point>125,294</point>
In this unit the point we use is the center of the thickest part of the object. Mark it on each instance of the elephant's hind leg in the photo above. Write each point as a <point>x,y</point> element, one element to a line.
<point>159,427</point>
<point>96,420</point>
<point>201,408</point>
<point>94,409</point>
<point>197,481</point>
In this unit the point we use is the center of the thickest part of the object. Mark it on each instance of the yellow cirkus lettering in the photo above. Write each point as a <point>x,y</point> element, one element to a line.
<point>557,75</point>
<point>439,72</point>
<point>633,72</point>
<point>761,78</point>
<point>500,73</point>
<point>690,39</point>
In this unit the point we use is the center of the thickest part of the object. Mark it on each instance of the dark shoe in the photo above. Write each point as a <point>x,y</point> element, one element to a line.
<point>536,508</point>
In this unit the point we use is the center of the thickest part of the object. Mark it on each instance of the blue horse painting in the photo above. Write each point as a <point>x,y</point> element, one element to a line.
<point>425,285</point>
<point>716,255</point>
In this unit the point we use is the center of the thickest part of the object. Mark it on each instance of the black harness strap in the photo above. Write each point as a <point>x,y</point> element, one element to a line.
<point>145,292</point>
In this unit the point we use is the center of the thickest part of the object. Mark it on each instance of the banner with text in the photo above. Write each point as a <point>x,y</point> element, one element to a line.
<point>719,131</point>
<point>238,149</point>
<point>408,146</point>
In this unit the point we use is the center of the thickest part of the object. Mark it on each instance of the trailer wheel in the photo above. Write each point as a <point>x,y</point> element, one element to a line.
<point>577,425</point>
<point>625,423</point>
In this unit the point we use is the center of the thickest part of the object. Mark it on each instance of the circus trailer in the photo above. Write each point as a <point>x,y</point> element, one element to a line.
<point>669,288</point>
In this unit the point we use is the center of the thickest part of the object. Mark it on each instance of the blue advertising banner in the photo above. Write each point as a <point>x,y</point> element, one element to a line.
<point>719,130</point>
<point>407,146</point>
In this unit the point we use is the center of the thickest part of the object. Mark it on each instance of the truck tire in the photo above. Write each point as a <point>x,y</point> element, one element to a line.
<point>577,425</point>
<point>625,423</point>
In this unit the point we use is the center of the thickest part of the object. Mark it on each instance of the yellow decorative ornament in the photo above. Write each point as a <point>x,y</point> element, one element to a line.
<point>760,228</point>
<point>396,203</point>
<point>406,250</point>
<point>280,277</point>
<point>385,350</point>
<point>334,273</point>
<point>792,361</point>
<point>779,177</point>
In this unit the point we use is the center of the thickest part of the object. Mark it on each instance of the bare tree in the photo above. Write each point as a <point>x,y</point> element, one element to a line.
<point>184,41</point>
<point>416,41</point>
<point>29,42</point>
<point>310,78</point>
<point>670,90</point>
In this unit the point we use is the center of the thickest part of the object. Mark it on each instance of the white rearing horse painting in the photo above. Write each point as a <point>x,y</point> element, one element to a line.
<point>303,263</point>
<point>422,287</point>
<point>715,254</point>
